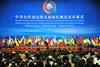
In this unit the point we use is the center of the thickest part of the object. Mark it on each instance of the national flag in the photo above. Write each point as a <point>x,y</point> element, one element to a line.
<point>20,41</point>
<point>73,41</point>
<point>41,41</point>
<point>87,43</point>
<point>9,41</point>
<point>99,41</point>
<point>23,41</point>
<point>33,41</point>
<point>12,42</point>
<point>93,41</point>
<point>3,42</point>
<point>70,41</point>
<point>76,39</point>
<point>55,41</point>
<point>81,41</point>
<point>16,41</point>
<point>84,43</point>
<point>49,41</point>
<point>60,42</point>
<point>29,41</point>
<point>45,38</point>
<point>36,40</point>
<point>65,41</point>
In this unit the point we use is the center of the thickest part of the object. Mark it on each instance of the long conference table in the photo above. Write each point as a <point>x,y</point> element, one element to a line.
<point>43,48</point>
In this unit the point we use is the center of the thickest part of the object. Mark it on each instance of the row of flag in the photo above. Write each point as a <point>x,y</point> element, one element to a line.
<point>51,41</point>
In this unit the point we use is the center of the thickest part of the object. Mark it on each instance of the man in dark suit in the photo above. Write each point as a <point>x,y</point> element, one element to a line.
<point>40,63</point>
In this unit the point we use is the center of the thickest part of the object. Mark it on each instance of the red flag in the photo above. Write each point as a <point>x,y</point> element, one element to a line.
<point>94,38</point>
<point>53,42</point>
<point>81,40</point>
<point>49,40</point>
<point>11,40</point>
<point>45,38</point>
<point>41,40</point>
<point>60,43</point>
<point>33,39</point>
<point>7,41</point>
<point>3,41</point>
<point>20,44</point>
<point>87,43</point>
<point>23,39</point>
<point>77,41</point>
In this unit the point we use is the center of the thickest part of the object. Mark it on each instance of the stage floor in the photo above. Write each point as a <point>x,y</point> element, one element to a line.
<point>43,48</point>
